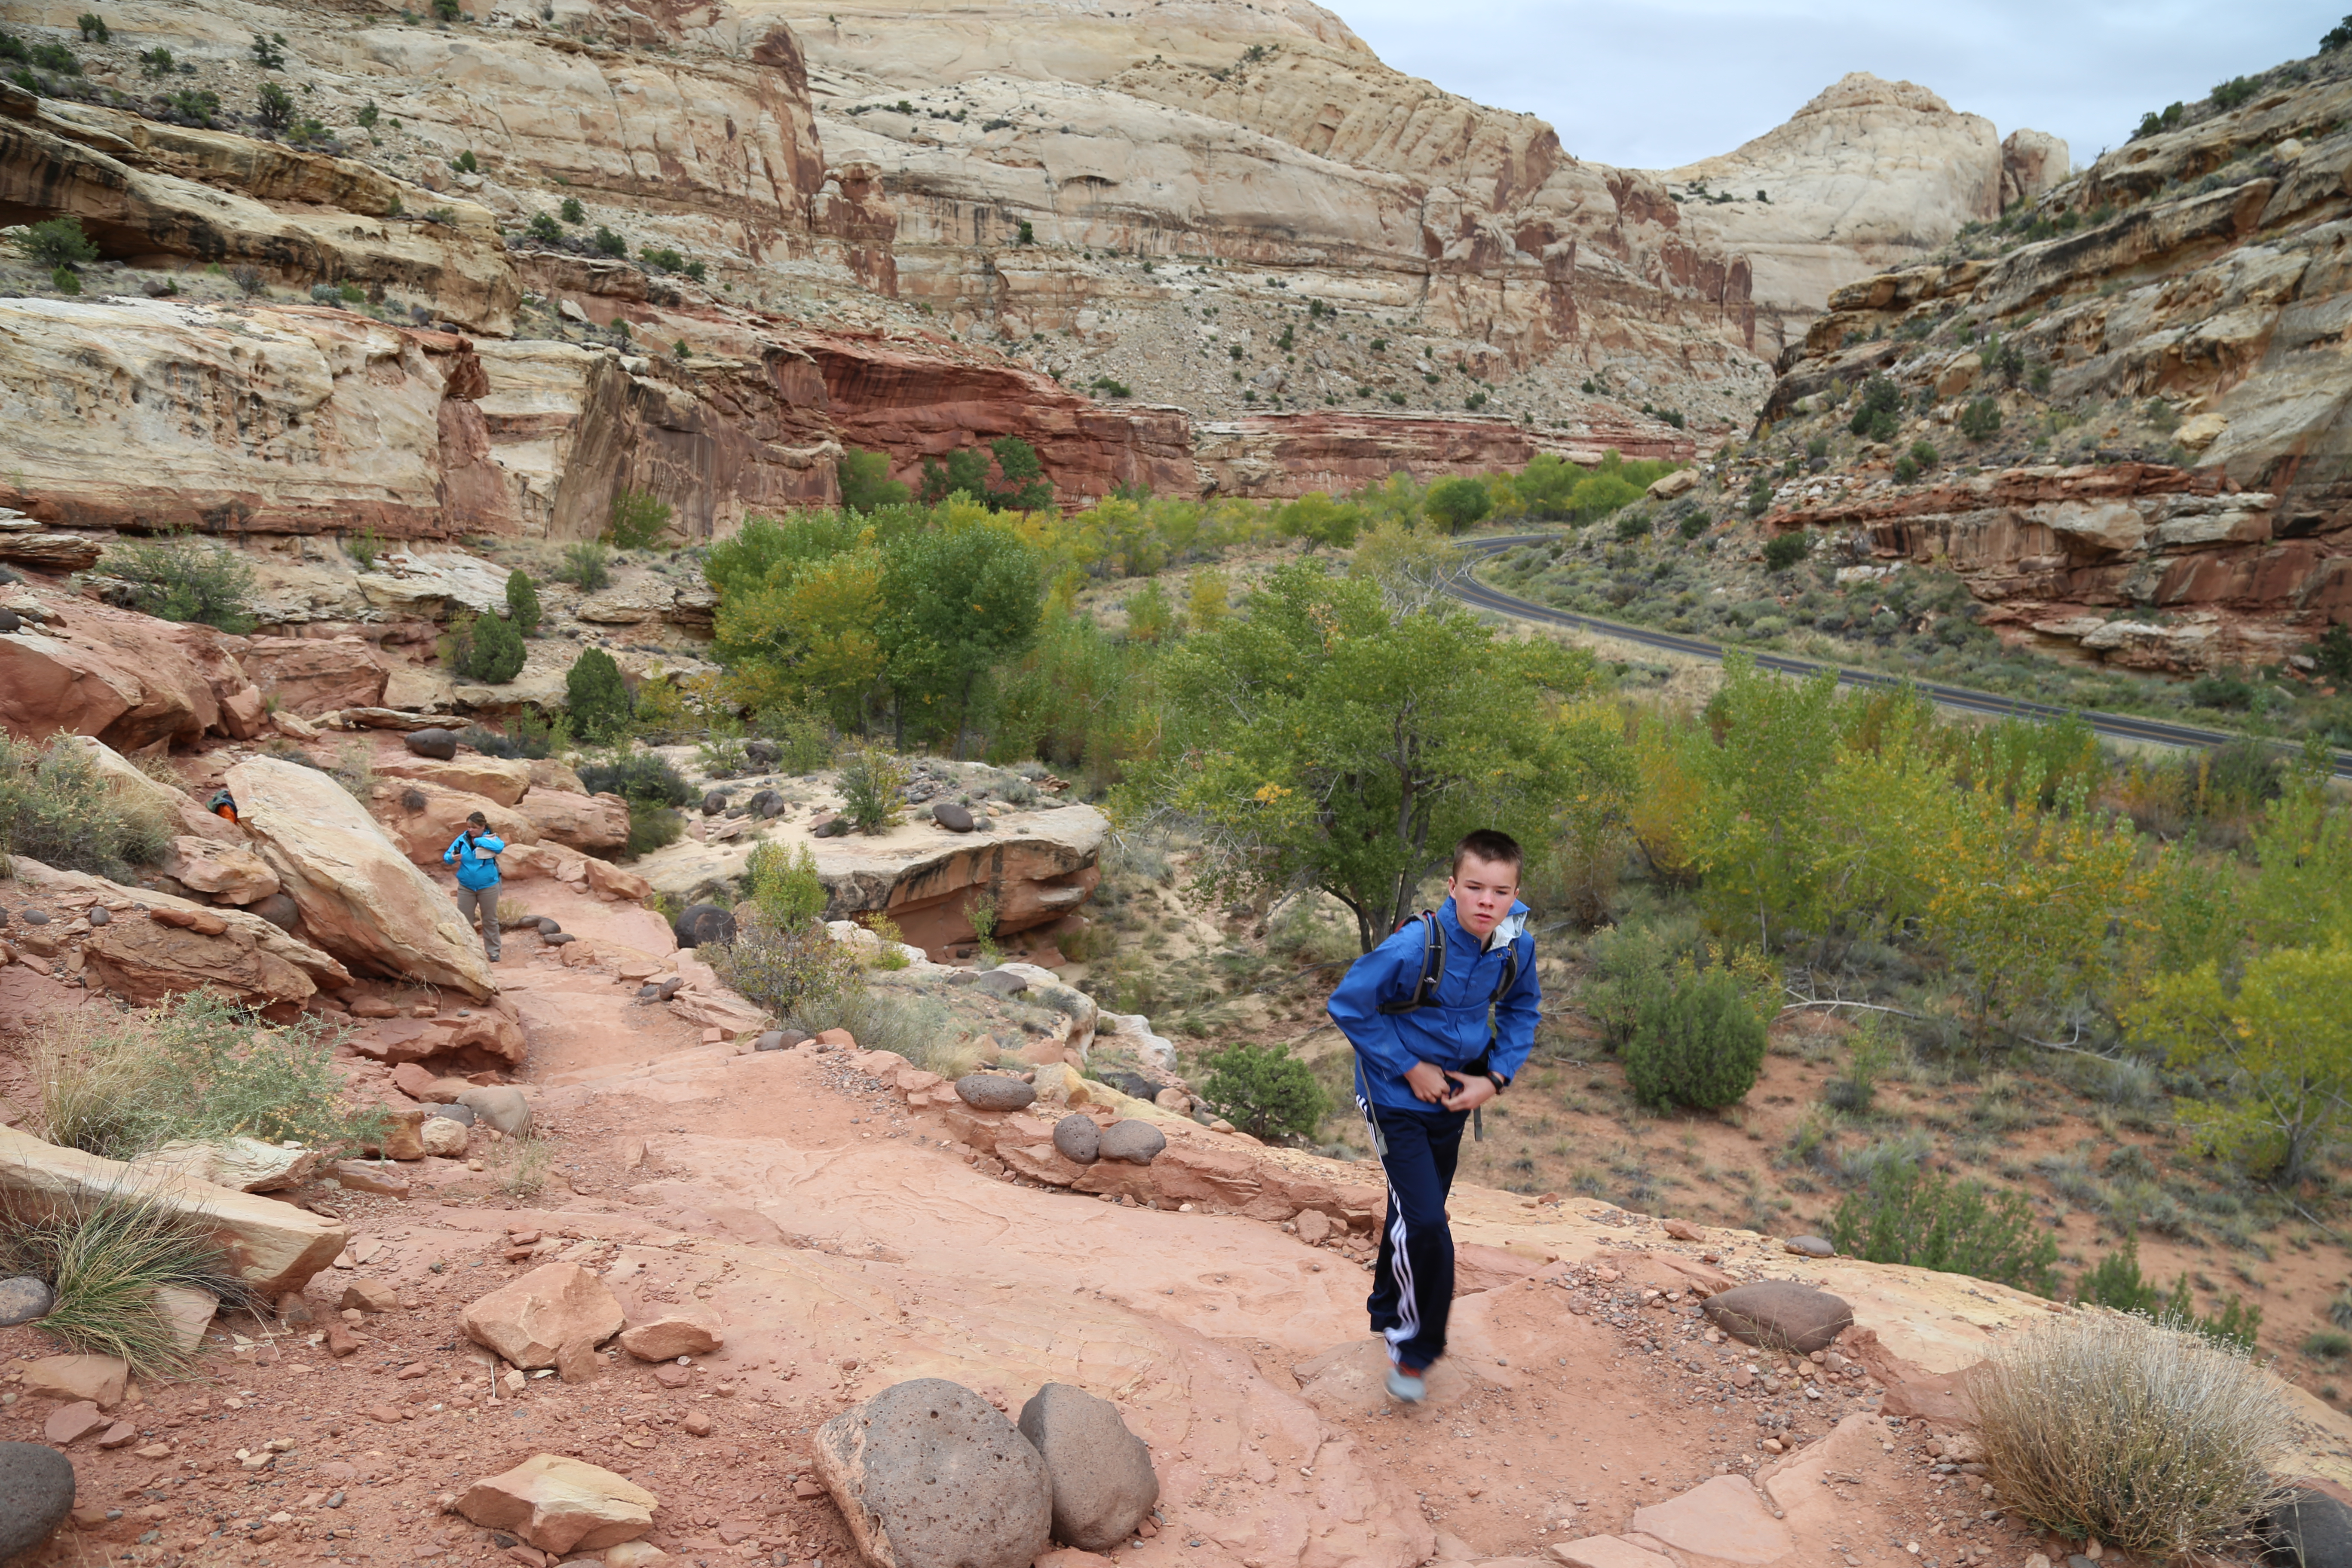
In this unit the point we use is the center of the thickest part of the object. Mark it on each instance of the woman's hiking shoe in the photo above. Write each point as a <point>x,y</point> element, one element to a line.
<point>1410,1388</point>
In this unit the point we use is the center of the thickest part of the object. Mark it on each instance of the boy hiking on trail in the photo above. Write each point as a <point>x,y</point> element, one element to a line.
<point>1441,1015</point>
<point>475,852</point>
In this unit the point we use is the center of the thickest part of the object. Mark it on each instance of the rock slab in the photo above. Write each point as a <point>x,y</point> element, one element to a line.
<point>532,1320</point>
<point>1104,1485</point>
<point>667,1338</point>
<point>561,1505</point>
<point>994,1091</point>
<point>360,897</point>
<point>1780,1314</point>
<point>1723,1519</point>
<point>927,1474</point>
<point>36,1493</point>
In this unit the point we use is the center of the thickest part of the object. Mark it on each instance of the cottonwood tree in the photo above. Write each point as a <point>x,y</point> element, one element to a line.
<point>1324,739</point>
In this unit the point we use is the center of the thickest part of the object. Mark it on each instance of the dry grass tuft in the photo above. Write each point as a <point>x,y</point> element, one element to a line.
<point>106,1257</point>
<point>2149,1438</point>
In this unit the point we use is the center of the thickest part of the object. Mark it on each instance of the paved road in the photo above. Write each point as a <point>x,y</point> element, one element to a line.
<point>2118,726</point>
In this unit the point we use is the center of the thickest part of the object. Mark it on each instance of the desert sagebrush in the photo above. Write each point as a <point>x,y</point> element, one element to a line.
<point>2146,1436</point>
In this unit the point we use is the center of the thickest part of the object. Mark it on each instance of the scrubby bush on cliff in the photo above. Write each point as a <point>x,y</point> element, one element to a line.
<point>55,808</point>
<point>599,701</point>
<point>587,565</point>
<point>1022,485</point>
<point>1981,420</point>
<point>1265,1091</point>
<point>873,790</point>
<point>487,649</point>
<point>785,968</point>
<point>180,578</point>
<point>784,884</point>
<point>639,518</point>
<point>522,603</point>
<point>56,243</point>
<point>2140,1436</point>
<point>1784,551</point>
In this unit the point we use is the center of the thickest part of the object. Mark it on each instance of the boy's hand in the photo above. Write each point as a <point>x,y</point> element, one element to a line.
<point>1472,1093</point>
<point>1427,1083</point>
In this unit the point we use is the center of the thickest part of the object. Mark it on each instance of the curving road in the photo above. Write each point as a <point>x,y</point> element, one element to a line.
<point>2116,726</point>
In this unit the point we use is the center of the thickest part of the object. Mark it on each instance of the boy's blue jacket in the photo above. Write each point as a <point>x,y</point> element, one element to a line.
<point>1452,1033</point>
<point>472,852</point>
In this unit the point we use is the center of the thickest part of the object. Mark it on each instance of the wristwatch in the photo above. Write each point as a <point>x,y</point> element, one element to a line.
<point>1497,1079</point>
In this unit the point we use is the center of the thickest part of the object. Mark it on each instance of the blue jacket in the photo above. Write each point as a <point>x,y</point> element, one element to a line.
<point>473,854</point>
<point>1452,1034</point>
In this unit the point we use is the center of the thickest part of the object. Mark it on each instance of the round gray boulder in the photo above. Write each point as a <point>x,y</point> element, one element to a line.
<point>1136,1142</point>
<point>700,924</point>
<point>1078,1139</point>
<point>994,1091</point>
<point>24,1298</point>
<point>926,1474</point>
<point>441,745</point>
<point>951,816</point>
<point>280,909</point>
<point>500,1104</point>
<point>1104,1485</point>
<point>36,1493</point>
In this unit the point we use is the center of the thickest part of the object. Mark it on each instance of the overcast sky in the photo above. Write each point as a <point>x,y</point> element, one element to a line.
<point>1654,84</point>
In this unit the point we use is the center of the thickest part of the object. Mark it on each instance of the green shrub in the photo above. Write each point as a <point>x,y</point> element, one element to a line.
<point>785,886</point>
<point>638,520</point>
<point>1981,420</point>
<point>865,482</point>
<point>105,1256</point>
<point>2115,1282</point>
<point>609,243</point>
<point>1633,525</point>
<point>873,784</point>
<point>2331,656</point>
<point>273,107</point>
<point>57,242</point>
<point>1265,1090</point>
<point>180,578</point>
<point>1785,551</point>
<point>1629,965</point>
<point>599,701</point>
<point>2147,1439</point>
<point>93,26</point>
<point>65,281</point>
<point>1694,525</point>
<point>805,743</point>
<point>545,229</point>
<point>786,968</point>
<point>1911,1216</point>
<point>1924,452</point>
<point>1905,469</point>
<point>57,809</point>
<point>641,778</point>
<point>487,649</point>
<point>1695,1043</point>
<point>1760,495</point>
<point>368,115</point>
<point>2236,90</point>
<point>587,565</point>
<point>2336,36</point>
<point>522,603</point>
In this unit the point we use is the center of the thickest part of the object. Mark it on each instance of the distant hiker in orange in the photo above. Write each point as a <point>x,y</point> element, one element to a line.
<point>475,853</point>
<point>223,805</point>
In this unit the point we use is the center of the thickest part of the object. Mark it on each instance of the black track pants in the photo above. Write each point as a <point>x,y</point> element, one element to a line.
<point>1413,1283</point>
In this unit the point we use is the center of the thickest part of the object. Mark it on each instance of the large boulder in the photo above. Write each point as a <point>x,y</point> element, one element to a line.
<point>360,899</point>
<point>311,676</point>
<point>1780,1314</point>
<point>129,680</point>
<point>1104,1485</point>
<point>492,778</point>
<point>178,944</point>
<point>700,923</point>
<point>532,1320</point>
<point>561,1505</point>
<point>230,873</point>
<point>422,817</point>
<point>272,1246</point>
<point>927,1474</point>
<point>590,822</point>
<point>36,1493</point>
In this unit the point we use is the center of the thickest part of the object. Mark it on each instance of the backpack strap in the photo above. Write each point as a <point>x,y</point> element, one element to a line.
<point>1432,967</point>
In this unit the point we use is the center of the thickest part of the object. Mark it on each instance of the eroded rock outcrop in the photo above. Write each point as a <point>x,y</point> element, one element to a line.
<point>2233,519</point>
<point>158,945</point>
<point>361,899</point>
<point>1277,456</point>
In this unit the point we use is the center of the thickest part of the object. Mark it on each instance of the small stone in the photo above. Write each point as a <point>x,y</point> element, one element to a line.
<point>370,1296</point>
<point>714,802</point>
<point>101,916</point>
<point>1811,1246</point>
<point>1136,1142</point>
<point>829,826</point>
<point>559,1504</point>
<point>441,745</point>
<point>696,1424</point>
<point>69,1424</point>
<point>444,1138</point>
<point>532,1320</point>
<point>99,1379</point>
<point>548,926</point>
<point>463,1115</point>
<point>22,1299</point>
<point>951,816</point>
<point>560,938</point>
<point>36,917</point>
<point>668,1337</point>
<point>37,1493</point>
<point>1681,1230</point>
<point>994,1091</point>
<point>1078,1138</point>
<point>669,1374</point>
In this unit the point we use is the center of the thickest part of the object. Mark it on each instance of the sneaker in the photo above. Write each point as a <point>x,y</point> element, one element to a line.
<point>1408,1386</point>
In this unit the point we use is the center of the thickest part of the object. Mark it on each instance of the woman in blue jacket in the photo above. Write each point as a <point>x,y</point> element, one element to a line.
<point>1441,1015</point>
<point>475,853</point>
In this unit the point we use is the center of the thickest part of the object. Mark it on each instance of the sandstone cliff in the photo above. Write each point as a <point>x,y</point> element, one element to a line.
<point>2170,365</point>
<point>1869,174</point>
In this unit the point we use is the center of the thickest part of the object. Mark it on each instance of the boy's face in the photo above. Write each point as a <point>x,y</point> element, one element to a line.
<point>1483,891</point>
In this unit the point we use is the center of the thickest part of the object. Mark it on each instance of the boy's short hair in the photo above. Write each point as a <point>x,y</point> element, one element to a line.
<point>1488,845</point>
<point>479,820</point>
